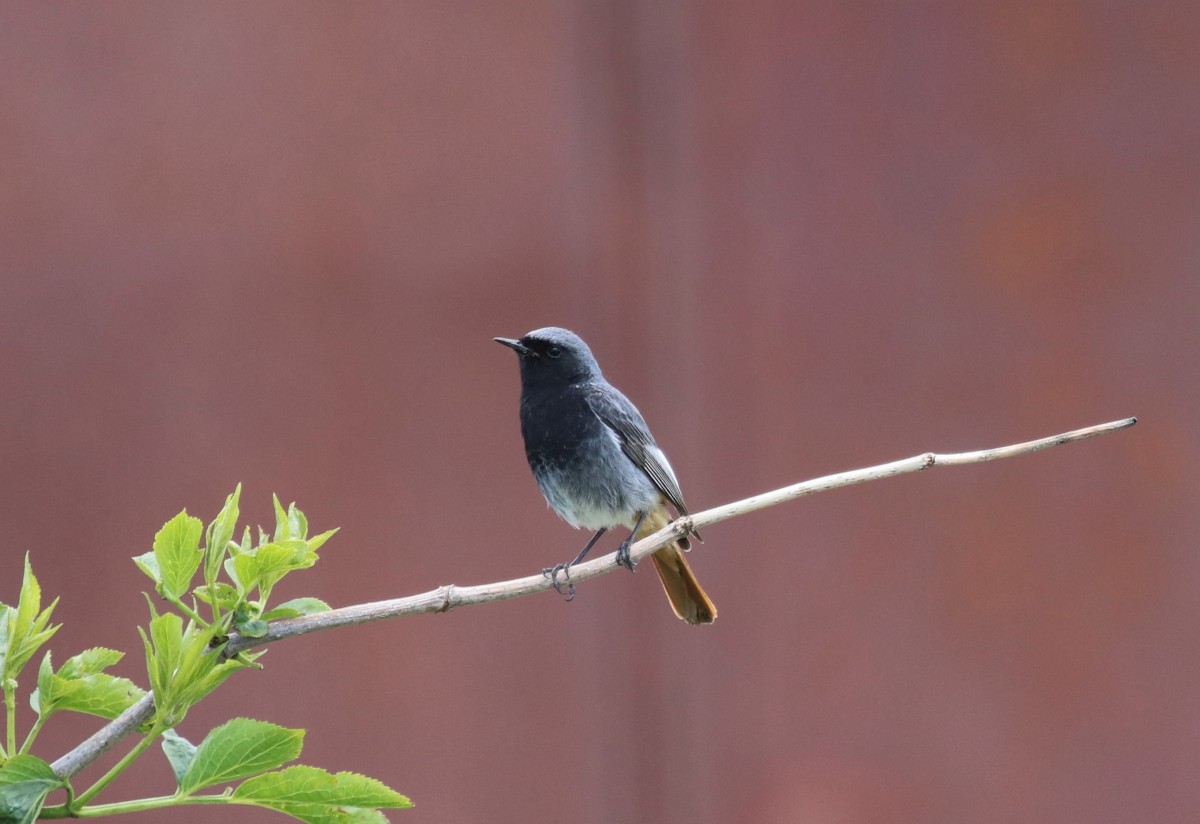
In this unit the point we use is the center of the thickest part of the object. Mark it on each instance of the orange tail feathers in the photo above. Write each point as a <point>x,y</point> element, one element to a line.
<point>687,597</point>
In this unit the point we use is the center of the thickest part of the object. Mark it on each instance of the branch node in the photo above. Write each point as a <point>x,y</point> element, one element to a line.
<point>447,597</point>
<point>928,460</point>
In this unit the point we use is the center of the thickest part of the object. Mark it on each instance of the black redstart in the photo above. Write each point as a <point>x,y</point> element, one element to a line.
<point>595,461</point>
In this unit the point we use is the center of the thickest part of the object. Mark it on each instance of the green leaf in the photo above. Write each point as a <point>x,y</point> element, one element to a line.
<point>248,621</point>
<point>90,662</point>
<point>215,676</point>
<point>25,626</point>
<point>318,797</point>
<point>297,607</point>
<point>179,751</point>
<point>201,669</point>
<point>263,567</point>
<point>80,685</point>
<point>100,694</point>
<point>240,748</point>
<point>224,596</point>
<point>282,528</point>
<point>163,648</point>
<point>231,571</point>
<point>25,781</point>
<point>249,565</point>
<point>45,683</point>
<point>300,558</point>
<point>236,551</point>
<point>177,548</point>
<point>297,523</point>
<point>183,664</point>
<point>148,564</point>
<point>315,542</point>
<point>255,628</point>
<point>219,534</point>
<point>30,602</point>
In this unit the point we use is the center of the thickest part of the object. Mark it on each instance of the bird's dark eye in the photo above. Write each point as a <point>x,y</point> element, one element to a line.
<point>554,351</point>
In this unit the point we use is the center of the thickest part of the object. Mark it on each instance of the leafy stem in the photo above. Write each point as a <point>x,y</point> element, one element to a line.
<point>33,733</point>
<point>136,805</point>
<point>189,612</point>
<point>10,711</point>
<point>185,661</point>
<point>118,768</point>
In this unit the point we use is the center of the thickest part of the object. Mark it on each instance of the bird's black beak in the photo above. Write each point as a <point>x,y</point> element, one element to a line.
<point>516,345</point>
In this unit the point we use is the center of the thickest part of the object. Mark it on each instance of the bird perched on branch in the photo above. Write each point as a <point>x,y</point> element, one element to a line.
<point>597,464</point>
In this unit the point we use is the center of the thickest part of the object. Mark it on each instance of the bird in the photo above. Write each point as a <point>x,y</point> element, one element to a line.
<point>596,463</point>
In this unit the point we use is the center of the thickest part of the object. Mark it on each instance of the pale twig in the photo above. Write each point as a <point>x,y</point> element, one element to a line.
<point>446,598</point>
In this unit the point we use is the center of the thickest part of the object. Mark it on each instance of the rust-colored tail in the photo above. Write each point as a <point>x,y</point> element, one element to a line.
<point>687,597</point>
<point>684,592</point>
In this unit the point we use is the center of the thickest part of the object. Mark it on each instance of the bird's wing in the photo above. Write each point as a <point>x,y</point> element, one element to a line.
<point>617,413</point>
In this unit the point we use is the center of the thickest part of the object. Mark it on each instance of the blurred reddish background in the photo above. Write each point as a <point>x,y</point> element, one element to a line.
<point>271,243</point>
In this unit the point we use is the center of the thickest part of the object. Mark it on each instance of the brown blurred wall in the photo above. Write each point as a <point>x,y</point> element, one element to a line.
<point>270,243</point>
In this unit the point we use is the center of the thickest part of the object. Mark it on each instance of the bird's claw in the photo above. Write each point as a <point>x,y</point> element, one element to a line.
<point>623,559</point>
<point>552,574</point>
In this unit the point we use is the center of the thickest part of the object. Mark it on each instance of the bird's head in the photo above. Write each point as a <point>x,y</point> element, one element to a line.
<point>553,355</point>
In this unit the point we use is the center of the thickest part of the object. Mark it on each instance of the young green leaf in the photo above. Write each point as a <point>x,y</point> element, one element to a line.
<point>201,669</point>
<point>240,748</point>
<point>222,595</point>
<point>183,664</point>
<point>100,694</point>
<point>25,626</point>
<point>297,523</point>
<point>219,533</point>
<point>81,685</point>
<point>177,548</point>
<point>319,797</point>
<point>214,676</point>
<point>179,751</point>
<point>315,542</point>
<point>25,781</point>
<point>299,557</point>
<point>90,662</point>
<point>282,528</point>
<point>45,684</point>
<point>103,695</point>
<point>163,648</point>
<point>30,601</point>
<point>231,570</point>
<point>254,628</point>
<point>148,564</point>
<point>297,607</point>
<point>248,566</point>
<point>263,567</point>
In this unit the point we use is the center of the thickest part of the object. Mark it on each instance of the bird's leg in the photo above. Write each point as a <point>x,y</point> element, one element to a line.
<point>623,558</point>
<point>565,569</point>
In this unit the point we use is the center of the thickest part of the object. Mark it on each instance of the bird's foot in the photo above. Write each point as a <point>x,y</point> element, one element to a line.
<point>623,559</point>
<point>552,574</point>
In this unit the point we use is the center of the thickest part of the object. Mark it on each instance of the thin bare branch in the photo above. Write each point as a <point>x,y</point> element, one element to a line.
<point>450,596</point>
